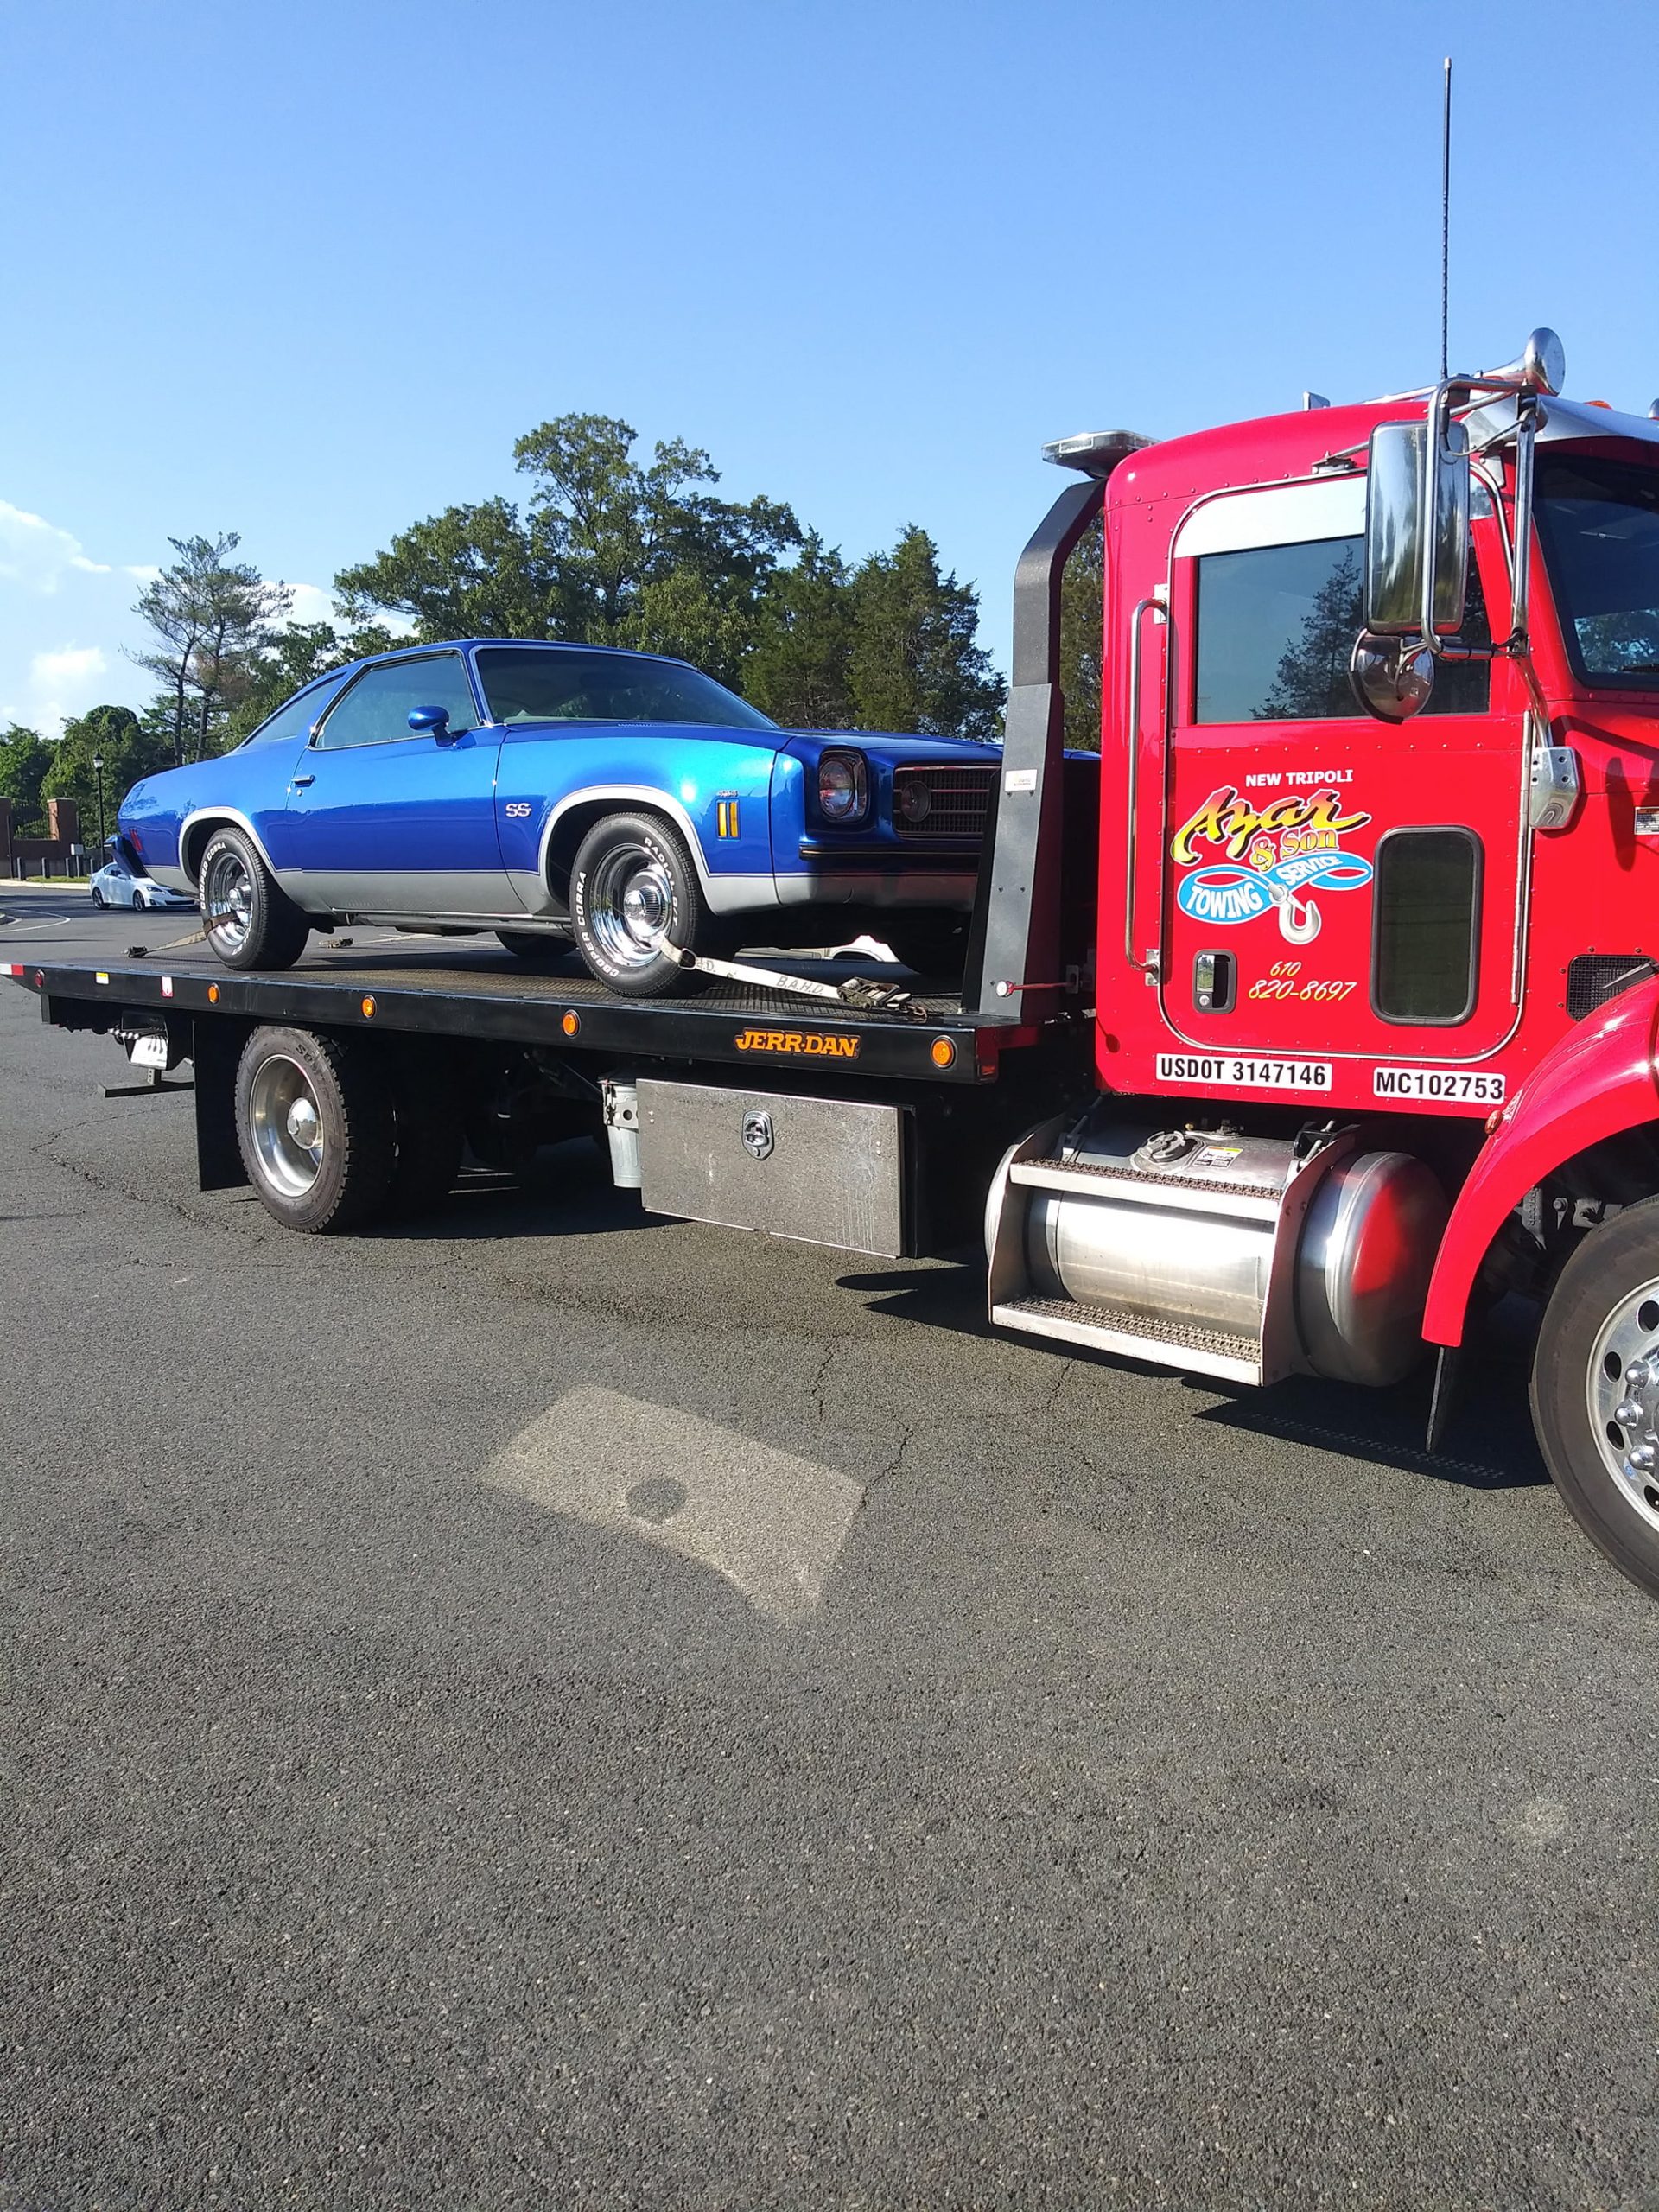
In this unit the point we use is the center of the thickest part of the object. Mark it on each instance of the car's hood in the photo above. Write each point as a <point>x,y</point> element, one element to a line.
<point>899,748</point>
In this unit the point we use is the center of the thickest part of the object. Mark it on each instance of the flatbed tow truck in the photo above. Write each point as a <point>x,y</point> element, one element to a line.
<point>1289,1038</point>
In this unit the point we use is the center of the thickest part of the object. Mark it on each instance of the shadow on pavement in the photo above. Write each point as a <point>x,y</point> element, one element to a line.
<point>1489,1444</point>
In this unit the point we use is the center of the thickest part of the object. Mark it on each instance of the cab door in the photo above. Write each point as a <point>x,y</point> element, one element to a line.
<point>1334,887</point>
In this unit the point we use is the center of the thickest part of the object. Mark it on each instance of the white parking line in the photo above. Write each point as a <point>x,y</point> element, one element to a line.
<point>772,1524</point>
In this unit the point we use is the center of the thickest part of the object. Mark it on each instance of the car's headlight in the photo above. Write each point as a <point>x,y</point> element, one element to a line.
<point>843,788</point>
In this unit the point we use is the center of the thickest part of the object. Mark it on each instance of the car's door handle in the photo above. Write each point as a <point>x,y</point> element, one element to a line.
<point>300,782</point>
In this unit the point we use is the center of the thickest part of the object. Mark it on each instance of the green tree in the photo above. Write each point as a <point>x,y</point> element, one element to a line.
<point>212,617</point>
<point>647,555</point>
<point>613,549</point>
<point>798,667</point>
<point>610,551</point>
<point>128,750</point>
<point>914,664</point>
<point>1083,596</point>
<point>25,757</point>
<point>469,572</point>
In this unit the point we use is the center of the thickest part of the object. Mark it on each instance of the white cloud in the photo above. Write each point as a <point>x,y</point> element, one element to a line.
<point>312,604</point>
<point>64,683</point>
<point>35,553</point>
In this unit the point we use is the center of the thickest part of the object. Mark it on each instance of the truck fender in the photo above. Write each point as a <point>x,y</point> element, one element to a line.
<point>1598,1081</point>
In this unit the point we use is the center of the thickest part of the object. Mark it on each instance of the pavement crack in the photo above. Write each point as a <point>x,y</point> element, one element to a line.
<point>1049,1403</point>
<point>816,1388</point>
<point>906,1438</point>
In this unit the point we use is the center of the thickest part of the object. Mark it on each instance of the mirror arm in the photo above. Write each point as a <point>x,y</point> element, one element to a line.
<point>1526,433</point>
<point>1427,512</point>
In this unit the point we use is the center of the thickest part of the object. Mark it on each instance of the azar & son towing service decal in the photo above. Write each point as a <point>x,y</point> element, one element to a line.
<point>1267,859</point>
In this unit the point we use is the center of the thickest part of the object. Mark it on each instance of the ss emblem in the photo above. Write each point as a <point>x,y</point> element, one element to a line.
<point>757,1134</point>
<point>516,807</point>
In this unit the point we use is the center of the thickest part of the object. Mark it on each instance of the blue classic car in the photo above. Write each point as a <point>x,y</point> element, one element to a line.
<point>547,792</point>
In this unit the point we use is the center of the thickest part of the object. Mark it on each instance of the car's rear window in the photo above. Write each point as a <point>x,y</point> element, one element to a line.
<point>561,684</point>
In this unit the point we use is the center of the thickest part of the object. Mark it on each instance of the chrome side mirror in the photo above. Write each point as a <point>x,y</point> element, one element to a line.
<point>1392,677</point>
<point>1416,530</point>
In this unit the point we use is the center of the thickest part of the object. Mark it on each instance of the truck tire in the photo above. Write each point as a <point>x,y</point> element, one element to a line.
<point>245,917</point>
<point>1595,1390</point>
<point>633,889</point>
<point>314,1120</point>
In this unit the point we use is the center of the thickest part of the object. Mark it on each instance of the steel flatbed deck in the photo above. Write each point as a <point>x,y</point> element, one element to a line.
<point>481,995</point>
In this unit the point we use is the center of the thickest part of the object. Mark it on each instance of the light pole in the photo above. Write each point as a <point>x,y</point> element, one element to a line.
<point>98,770</point>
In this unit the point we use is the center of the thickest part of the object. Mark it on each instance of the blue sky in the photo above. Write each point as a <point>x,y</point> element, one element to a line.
<point>305,273</point>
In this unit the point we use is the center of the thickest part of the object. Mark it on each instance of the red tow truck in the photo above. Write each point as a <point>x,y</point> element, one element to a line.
<point>1312,1019</point>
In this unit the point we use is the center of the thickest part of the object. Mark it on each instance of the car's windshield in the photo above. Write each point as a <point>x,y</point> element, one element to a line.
<point>528,685</point>
<point>1598,525</point>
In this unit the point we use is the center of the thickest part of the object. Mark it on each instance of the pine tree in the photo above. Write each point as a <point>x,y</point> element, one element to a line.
<point>914,664</point>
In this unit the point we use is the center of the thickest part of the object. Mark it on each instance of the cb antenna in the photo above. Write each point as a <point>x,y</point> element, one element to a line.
<point>1445,220</point>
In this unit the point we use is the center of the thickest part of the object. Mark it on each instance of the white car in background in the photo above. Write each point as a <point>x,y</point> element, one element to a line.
<point>118,884</point>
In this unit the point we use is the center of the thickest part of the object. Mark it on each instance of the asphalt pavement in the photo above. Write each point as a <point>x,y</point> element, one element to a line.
<point>546,1707</point>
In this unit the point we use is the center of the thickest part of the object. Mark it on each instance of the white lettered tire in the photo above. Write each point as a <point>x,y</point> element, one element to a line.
<point>634,898</point>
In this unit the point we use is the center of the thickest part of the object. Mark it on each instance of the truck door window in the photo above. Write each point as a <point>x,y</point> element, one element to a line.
<point>1425,941</point>
<point>1276,626</point>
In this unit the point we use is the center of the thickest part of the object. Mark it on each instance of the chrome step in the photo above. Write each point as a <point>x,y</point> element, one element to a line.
<point>1146,1187</point>
<point>1180,1345</point>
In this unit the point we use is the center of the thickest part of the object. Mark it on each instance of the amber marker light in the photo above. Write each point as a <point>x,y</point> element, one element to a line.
<point>368,1009</point>
<point>570,1024</point>
<point>213,993</point>
<point>944,1052</point>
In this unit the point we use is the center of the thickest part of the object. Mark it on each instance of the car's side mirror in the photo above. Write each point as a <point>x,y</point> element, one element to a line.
<point>429,721</point>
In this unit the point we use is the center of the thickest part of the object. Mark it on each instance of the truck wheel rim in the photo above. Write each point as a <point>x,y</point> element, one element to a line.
<point>1623,1390</point>
<point>286,1126</point>
<point>630,904</point>
<point>227,899</point>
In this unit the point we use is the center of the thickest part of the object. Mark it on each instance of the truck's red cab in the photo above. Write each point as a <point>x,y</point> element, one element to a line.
<point>1376,970</point>
<point>1393,930</point>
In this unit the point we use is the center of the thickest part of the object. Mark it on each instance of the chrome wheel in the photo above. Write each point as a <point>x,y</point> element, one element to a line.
<point>227,898</point>
<point>1623,1391</point>
<point>631,904</point>
<point>286,1126</point>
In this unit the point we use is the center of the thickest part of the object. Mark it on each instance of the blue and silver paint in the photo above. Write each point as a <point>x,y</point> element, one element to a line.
<point>481,825</point>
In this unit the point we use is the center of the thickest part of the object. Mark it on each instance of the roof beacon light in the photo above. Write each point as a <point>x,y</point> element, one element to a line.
<point>1096,452</point>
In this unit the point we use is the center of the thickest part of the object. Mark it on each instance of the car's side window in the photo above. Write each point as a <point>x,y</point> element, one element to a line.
<point>293,723</point>
<point>377,708</point>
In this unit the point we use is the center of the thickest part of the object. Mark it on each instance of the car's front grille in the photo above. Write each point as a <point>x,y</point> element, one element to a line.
<point>942,802</point>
